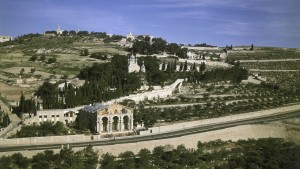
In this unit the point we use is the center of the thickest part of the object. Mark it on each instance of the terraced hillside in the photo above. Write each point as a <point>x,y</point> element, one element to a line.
<point>35,58</point>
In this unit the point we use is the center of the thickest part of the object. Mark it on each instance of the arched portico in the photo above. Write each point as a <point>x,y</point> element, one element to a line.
<point>104,122</point>
<point>126,122</point>
<point>115,118</point>
<point>115,123</point>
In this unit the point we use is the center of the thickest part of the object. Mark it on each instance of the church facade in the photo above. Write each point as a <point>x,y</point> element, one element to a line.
<point>113,118</point>
<point>133,65</point>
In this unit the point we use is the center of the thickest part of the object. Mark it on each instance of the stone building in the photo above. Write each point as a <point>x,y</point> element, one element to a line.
<point>65,116</point>
<point>113,118</point>
<point>59,31</point>
<point>133,65</point>
<point>5,38</point>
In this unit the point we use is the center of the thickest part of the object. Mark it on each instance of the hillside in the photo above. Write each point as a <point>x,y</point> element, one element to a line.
<point>28,58</point>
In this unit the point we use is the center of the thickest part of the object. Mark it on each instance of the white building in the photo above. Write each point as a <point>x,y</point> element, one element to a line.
<point>114,118</point>
<point>190,55</point>
<point>5,38</point>
<point>133,37</point>
<point>59,31</point>
<point>65,116</point>
<point>130,36</point>
<point>133,66</point>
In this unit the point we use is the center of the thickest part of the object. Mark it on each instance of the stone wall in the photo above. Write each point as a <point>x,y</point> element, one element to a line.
<point>190,141</point>
<point>48,140</point>
<point>160,93</point>
<point>180,126</point>
<point>208,63</point>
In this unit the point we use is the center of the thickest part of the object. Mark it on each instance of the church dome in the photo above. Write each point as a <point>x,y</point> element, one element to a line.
<point>132,57</point>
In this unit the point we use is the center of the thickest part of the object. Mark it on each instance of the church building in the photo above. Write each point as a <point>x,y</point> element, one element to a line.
<point>113,118</point>
<point>133,66</point>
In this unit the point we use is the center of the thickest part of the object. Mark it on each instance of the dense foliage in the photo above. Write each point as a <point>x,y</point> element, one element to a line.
<point>44,129</point>
<point>65,159</point>
<point>240,99</point>
<point>157,46</point>
<point>25,106</point>
<point>99,55</point>
<point>103,82</point>
<point>112,80</point>
<point>248,154</point>
<point>86,120</point>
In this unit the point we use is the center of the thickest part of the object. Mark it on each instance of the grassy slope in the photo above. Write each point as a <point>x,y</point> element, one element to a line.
<point>64,49</point>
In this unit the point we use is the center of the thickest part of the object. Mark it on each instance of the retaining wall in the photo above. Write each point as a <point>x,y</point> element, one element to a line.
<point>190,141</point>
<point>48,140</point>
<point>180,126</point>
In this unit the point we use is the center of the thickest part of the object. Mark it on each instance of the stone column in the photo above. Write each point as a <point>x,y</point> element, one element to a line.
<point>188,68</point>
<point>110,127</point>
<point>101,126</point>
<point>177,68</point>
<point>98,126</point>
<point>110,124</point>
<point>131,123</point>
<point>120,123</point>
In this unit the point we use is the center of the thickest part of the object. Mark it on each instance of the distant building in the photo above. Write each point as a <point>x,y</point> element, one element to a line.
<point>143,68</point>
<point>5,38</point>
<point>59,31</point>
<point>133,66</point>
<point>75,82</point>
<point>114,118</point>
<point>65,116</point>
<point>130,36</point>
<point>190,55</point>
<point>133,37</point>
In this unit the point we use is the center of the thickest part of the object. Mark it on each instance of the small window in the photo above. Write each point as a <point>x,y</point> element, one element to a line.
<point>57,115</point>
<point>71,114</point>
<point>45,116</point>
<point>53,115</point>
<point>40,117</point>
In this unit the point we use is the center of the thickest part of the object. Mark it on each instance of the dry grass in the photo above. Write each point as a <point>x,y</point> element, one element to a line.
<point>13,93</point>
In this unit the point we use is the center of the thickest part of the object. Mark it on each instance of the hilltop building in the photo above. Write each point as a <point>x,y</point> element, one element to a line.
<point>5,38</point>
<point>133,37</point>
<point>59,31</point>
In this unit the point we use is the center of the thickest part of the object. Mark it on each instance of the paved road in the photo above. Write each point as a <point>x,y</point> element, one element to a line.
<point>260,70</point>
<point>178,133</point>
<point>271,60</point>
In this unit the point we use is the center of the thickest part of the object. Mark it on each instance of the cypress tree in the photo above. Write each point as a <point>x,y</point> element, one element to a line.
<point>21,105</point>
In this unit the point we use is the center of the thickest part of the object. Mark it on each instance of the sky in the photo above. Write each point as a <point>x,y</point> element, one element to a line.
<point>216,22</point>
